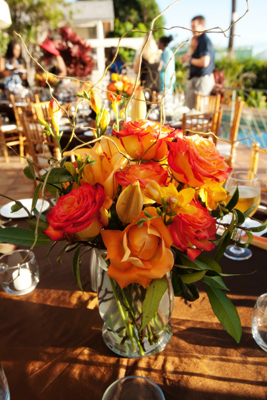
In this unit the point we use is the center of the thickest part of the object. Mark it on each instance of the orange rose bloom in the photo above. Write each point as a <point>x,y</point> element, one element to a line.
<point>138,136</point>
<point>188,230</point>
<point>195,160</point>
<point>143,173</point>
<point>78,212</point>
<point>139,255</point>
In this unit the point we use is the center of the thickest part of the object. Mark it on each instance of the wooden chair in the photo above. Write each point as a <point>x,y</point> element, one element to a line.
<point>41,146</point>
<point>11,136</point>
<point>207,103</point>
<point>254,161</point>
<point>40,110</point>
<point>228,150</point>
<point>204,123</point>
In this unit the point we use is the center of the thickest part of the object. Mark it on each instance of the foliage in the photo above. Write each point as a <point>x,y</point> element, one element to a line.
<point>4,40</point>
<point>75,52</point>
<point>245,74</point>
<point>135,14</point>
<point>31,16</point>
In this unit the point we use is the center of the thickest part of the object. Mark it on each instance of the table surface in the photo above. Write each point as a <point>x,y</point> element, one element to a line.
<point>51,345</point>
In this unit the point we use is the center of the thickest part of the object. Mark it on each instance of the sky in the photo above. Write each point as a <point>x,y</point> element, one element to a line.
<point>251,28</point>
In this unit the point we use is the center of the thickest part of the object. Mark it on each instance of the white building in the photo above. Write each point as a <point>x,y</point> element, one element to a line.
<point>92,20</point>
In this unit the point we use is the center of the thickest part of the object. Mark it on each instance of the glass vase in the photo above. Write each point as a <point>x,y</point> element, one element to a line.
<point>121,311</point>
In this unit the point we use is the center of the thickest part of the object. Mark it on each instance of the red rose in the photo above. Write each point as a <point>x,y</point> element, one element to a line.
<point>188,230</point>
<point>76,212</point>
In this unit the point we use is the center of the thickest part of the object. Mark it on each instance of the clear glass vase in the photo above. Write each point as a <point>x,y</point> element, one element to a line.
<point>121,311</point>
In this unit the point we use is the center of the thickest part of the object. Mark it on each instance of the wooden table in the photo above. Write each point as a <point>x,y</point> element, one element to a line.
<point>51,345</point>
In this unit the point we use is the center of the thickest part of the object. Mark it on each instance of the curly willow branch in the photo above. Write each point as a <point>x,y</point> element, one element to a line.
<point>149,33</point>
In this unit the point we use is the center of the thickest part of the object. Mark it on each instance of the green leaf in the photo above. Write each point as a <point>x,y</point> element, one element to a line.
<point>76,267</point>
<point>28,172</point>
<point>193,277</point>
<point>240,219</point>
<point>233,201</point>
<point>196,264</point>
<point>250,209</point>
<point>190,291</point>
<point>23,237</point>
<point>259,228</point>
<point>212,264</point>
<point>36,195</point>
<point>62,251</point>
<point>225,311</point>
<point>52,189</point>
<point>41,226</point>
<point>49,251</point>
<point>247,243</point>
<point>177,284</point>
<point>153,296</point>
<point>223,245</point>
<point>70,167</point>
<point>58,175</point>
<point>215,281</point>
<point>16,207</point>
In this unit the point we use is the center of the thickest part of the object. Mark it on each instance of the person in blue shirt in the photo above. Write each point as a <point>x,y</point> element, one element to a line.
<point>165,57</point>
<point>201,79</point>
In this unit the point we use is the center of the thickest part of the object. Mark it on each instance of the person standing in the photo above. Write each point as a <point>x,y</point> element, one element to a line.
<point>201,62</point>
<point>167,54</point>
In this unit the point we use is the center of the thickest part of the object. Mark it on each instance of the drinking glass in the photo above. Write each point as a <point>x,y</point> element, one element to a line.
<point>133,388</point>
<point>4,390</point>
<point>259,322</point>
<point>19,272</point>
<point>248,185</point>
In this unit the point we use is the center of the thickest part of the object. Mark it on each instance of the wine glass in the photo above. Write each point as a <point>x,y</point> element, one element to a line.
<point>4,390</point>
<point>248,185</point>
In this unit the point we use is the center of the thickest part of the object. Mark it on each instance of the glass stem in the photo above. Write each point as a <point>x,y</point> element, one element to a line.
<point>236,249</point>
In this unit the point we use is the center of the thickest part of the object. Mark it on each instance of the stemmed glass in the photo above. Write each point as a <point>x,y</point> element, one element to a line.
<point>248,185</point>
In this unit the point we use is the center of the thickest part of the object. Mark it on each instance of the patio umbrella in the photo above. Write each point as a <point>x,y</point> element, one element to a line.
<point>5,19</point>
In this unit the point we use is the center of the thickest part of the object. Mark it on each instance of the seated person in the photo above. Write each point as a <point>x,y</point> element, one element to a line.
<point>52,60</point>
<point>12,73</point>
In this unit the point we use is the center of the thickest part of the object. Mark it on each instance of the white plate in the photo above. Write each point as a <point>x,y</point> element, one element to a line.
<point>6,209</point>
<point>88,133</point>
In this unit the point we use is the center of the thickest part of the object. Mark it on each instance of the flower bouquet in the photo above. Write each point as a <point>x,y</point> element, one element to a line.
<point>148,201</point>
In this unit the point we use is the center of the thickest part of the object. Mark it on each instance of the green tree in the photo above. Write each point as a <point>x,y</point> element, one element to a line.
<point>32,19</point>
<point>139,11</point>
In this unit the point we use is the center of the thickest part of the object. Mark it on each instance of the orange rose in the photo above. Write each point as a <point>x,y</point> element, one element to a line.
<point>195,160</point>
<point>108,161</point>
<point>191,232</point>
<point>139,136</point>
<point>143,173</point>
<point>78,212</point>
<point>139,255</point>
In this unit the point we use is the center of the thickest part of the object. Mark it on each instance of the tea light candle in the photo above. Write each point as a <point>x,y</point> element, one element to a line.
<point>22,279</point>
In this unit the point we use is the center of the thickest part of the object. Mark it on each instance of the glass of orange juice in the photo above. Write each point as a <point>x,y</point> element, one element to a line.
<point>249,188</point>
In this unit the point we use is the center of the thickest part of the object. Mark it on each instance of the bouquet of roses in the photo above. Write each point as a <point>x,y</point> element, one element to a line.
<point>149,201</point>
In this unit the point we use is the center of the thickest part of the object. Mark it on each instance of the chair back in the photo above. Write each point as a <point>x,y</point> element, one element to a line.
<point>254,161</point>
<point>207,103</point>
<point>40,110</point>
<point>41,146</point>
<point>203,123</point>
